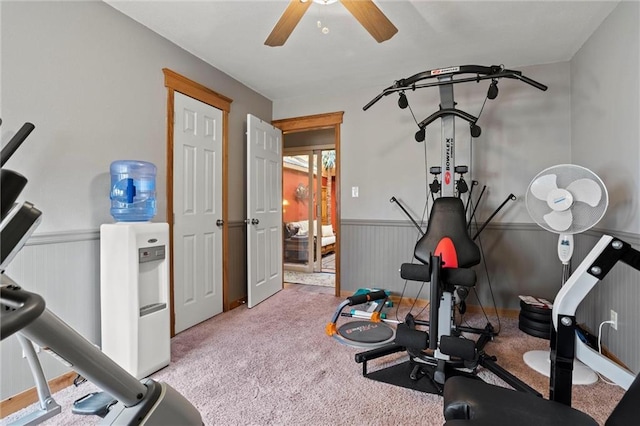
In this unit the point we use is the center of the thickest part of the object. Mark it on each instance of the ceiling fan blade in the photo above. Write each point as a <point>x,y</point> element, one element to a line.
<point>542,186</point>
<point>287,22</point>
<point>559,220</point>
<point>371,18</point>
<point>585,190</point>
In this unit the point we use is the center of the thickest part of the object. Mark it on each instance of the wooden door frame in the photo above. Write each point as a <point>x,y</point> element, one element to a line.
<point>331,120</point>
<point>175,82</point>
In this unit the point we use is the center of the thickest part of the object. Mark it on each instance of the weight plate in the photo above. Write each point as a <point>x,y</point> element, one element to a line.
<point>536,316</point>
<point>537,325</point>
<point>531,308</point>
<point>535,333</point>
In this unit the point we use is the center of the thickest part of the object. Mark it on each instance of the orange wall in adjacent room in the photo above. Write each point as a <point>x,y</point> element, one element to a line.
<point>295,210</point>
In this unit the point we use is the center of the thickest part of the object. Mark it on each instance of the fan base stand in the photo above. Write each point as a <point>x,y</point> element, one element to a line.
<point>540,361</point>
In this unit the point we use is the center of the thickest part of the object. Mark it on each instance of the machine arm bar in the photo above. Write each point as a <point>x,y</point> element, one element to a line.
<point>367,297</point>
<point>481,73</point>
<point>444,112</point>
<point>395,200</point>
<point>510,197</point>
<point>632,258</point>
<point>15,142</point>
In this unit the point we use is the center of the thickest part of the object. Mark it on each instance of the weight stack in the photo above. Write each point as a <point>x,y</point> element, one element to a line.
<point>535,317</point>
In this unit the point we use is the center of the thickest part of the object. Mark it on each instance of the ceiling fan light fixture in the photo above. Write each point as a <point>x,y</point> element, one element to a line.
<point>323,28</point>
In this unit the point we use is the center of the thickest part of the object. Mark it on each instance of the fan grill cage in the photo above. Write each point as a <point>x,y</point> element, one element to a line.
<point>584,215</point>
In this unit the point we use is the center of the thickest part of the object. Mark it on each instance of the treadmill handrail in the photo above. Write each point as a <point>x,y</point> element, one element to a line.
<point>24,308</point>
<point>481,73</point>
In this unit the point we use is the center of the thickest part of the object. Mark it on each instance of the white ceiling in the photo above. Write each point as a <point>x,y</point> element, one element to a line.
<point>230,36</point>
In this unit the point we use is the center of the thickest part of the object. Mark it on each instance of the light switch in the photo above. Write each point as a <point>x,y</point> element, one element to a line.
<point>354,191</point>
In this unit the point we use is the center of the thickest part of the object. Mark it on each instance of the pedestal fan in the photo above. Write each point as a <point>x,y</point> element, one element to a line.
<point>565,199</point>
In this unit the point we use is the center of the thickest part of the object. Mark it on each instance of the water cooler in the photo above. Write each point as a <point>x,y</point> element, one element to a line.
<point>134,293</point>
<point>134,273</point>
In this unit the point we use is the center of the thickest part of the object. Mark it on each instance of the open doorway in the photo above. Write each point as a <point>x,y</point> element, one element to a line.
<point>317,139</point>
<point>309,216</point>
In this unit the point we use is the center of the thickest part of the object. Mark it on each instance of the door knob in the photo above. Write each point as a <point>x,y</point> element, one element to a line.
<point>255,221</point>
<point>219,222</point>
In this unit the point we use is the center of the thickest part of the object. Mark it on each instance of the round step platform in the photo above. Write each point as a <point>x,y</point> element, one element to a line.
<point>366,332</point>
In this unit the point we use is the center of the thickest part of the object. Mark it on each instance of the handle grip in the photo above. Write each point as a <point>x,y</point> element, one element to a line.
<point>415,272</point>
<point>368,297</point>
<point>23,308</point>
<point>15,142</point>
<point>533,83</point>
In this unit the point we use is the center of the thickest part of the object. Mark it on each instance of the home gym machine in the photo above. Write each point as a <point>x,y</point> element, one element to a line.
<point>445,251</point>
<point>25,314</point>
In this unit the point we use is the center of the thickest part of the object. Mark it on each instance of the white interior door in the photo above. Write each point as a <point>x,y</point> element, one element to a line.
<point>197,204</point>
<point>264,210</point>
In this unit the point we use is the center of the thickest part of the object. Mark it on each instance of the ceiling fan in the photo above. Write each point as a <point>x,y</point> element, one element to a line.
<point>365,11</point>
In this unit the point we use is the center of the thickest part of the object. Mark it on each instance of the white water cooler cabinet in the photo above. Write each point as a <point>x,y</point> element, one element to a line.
<point>134,295</point>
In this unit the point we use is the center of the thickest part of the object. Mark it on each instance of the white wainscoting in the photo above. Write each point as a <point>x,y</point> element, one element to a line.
<point>65,269</point>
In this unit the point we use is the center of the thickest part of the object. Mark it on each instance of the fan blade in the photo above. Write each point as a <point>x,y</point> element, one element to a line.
<point>559,220</point>
<point>288,21</point>
<point>585,190</point>
<point>371,18</point>
<point>542,186</point>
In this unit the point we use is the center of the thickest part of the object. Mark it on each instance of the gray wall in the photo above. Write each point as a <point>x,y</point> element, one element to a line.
<point>91,81</point>
<point>605,124</point>
<point>605,113</point>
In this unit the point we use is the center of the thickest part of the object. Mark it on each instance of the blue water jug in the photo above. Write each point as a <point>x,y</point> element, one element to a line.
<point>133,191</point>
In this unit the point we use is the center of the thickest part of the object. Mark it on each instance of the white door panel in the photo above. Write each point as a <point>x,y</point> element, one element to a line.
<point>197,184</point>
<point>264,210</point>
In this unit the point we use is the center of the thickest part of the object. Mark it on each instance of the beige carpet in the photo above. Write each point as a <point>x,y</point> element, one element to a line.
<point>273,365</point>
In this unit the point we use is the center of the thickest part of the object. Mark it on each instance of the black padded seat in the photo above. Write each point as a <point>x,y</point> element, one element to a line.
<point>473,402</point>
<point>479,402</point>
<point>453,276</point>
<point>459,276</point>
<point>626,412</point>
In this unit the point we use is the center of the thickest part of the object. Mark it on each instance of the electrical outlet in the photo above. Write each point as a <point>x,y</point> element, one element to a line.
<point>614,319</point>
